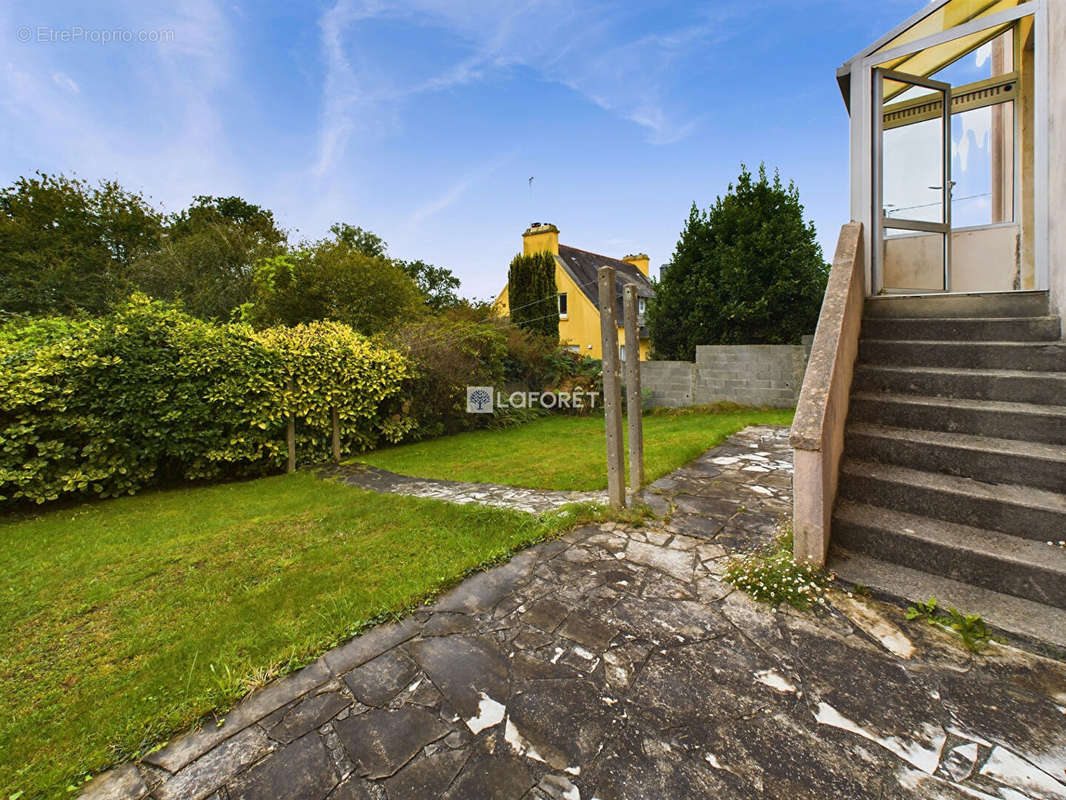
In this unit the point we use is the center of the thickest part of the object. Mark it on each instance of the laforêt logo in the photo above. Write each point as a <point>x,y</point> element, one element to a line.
<point>479,399</point>
<point>486,400</point>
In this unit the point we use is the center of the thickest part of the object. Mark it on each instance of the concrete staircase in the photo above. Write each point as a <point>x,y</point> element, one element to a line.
<point>954,476</point>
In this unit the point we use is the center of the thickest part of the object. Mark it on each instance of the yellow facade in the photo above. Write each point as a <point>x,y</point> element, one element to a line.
<point>580,326</point>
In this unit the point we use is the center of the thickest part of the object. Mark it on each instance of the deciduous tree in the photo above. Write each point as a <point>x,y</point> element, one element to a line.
<point>66,246</point>
<point>208,254</point>
<point>330,280</point>
<point>437,284</point>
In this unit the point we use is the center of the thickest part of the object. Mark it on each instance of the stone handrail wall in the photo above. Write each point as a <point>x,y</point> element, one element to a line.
<point>817,436</point>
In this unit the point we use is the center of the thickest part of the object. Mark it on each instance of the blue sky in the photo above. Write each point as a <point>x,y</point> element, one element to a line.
<point>424,120</point>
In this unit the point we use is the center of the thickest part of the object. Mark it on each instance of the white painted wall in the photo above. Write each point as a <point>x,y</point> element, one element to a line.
<point>1057,154</point>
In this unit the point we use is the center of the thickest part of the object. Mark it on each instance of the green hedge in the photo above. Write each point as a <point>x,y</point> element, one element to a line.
<point>148,394</point>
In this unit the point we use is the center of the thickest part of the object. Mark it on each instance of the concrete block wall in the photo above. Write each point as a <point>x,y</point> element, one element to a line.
<point>669,383</point>
<point>749,375</point>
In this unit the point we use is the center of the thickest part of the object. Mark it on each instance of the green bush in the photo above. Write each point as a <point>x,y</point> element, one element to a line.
<point>333,367</point>
<point>457,349</point>
<point>447,356</point>
<point>149,394</point>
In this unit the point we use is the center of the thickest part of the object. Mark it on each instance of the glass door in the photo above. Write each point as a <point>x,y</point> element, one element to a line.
<point>911,183</point>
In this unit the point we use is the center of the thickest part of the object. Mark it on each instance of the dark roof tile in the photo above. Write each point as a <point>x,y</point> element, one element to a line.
<point>582,266</point>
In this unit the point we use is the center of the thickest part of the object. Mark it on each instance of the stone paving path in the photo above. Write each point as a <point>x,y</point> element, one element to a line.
<point>615,664</point>
<point>533,501</point>
<point>757,461</point>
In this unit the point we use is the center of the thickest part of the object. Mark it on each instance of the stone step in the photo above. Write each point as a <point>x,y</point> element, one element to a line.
<point>1001,420</point>
<point>980,304</point>
<point>969,329</point>
<point>1035,623</point>
<point>982,458</point>
<point>1008,564</point>
<point>1019,386</point>
<point>975,355</point>
<point>1005,507</point>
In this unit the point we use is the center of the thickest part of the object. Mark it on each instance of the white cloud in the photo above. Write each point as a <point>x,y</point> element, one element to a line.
<point>585,47</point>
<point>455,192</point>
<point>64,81</point>
<point>62,100</point>
<point>193,68</point>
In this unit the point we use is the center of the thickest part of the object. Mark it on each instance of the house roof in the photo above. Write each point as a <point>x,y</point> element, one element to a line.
<point>582,267</point>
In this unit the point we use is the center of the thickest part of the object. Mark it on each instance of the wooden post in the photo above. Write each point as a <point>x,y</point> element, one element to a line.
<point>612,391</point>
<point>336,437</point>
<point>290,432</point>
<point>634,403</point>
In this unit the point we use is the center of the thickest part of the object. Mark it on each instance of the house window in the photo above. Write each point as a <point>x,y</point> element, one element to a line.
<point>642,305</point>
<point>562,305</point>
<point>622,352</point>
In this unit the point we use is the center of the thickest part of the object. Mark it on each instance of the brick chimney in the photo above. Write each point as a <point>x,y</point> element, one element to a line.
<point>540,236</point>
<point>639,260</point>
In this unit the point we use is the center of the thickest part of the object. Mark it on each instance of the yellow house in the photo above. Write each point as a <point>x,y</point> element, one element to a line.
<point>575,279</point>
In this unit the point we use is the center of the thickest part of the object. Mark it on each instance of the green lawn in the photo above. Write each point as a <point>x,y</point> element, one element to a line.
<point>125,620</point>
<point>562,452</point>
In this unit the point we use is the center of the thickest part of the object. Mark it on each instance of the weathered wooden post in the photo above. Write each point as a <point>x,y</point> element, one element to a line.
<point>634,404</point>
<point>336,437</point>
<point>290,431</point>
<point>612,390</point>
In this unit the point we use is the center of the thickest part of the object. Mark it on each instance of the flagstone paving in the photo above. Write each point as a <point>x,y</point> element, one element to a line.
<point>533,501</point>
<point>615,664</point>
<point>757,461</point>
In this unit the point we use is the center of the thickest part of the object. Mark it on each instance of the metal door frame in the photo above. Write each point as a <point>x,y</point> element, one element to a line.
<point>856,76</point>
<point>877,213</point>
